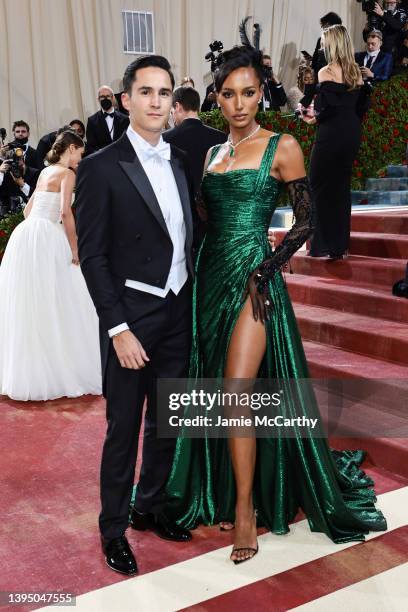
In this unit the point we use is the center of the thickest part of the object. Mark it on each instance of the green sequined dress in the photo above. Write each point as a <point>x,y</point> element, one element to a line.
<point>291,473</point>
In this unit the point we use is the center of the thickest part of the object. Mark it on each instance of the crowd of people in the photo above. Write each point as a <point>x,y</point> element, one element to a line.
<point>164,311</point>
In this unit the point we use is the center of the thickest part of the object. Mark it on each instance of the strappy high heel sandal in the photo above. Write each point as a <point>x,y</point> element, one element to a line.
<point>237,561</point>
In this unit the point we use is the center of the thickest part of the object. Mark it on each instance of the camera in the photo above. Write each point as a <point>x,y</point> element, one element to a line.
<point>13,157</point>
<point>216,60</point>
<point>368,7</point>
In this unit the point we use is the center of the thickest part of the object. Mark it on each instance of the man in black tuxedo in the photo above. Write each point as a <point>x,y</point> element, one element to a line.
<point>107,124</point>
<point>375,64</point>
<point>135,234</point>
<point>21,133</point>
<point>274,95</point>
<point>210,100</point>
<point>190,134</point>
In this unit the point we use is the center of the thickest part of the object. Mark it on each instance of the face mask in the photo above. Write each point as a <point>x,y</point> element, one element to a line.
<point>106,104</point>
<point>22,141</point>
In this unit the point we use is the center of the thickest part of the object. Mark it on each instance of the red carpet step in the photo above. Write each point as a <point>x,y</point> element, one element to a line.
<point>356,269</point>
<point>387,223</point>
<point>379,245</point>
<point>347,296</point>
<point>357,333</point>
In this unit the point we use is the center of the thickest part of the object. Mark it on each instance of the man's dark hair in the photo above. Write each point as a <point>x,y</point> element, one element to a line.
<point>21,123</point>
<point>188,97</point>
<point>265,56</point>
<point>330,19</point>
<point>147,61</point>
<point>79,122</point>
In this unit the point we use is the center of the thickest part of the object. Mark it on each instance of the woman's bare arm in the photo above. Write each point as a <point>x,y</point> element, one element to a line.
<point>68,221</point>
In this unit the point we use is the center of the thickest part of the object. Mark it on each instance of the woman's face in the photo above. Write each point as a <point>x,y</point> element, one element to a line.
<point>75,157</point>
<point>308,79</point>
<point>239,97</point>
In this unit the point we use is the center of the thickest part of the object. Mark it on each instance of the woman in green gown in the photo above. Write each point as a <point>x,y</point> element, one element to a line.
<point>244,328</point>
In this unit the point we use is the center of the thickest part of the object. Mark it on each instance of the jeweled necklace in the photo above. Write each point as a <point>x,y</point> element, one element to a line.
<point>234,146</point>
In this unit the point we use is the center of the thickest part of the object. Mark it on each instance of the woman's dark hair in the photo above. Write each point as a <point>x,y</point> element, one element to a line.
<point>61,144</point>
<point>147,61</point>
<point>239,57</point>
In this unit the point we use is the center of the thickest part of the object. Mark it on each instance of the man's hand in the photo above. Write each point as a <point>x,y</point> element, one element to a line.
<point>75,258</point>
<point>367,73</point>
<point>4,167</point>
<point>378,10</point>
<point>129,350</point>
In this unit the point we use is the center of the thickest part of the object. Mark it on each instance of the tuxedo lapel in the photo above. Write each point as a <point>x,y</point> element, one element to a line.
<point>104,126</point>
<point>180,177</point>
<point>130,164</point>
<point>116,122</point>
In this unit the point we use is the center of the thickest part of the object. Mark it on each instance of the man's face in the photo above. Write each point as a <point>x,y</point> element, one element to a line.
<point>20,132</point>
<point>150,99</point>
<point>373,43</point>
<point>267,62</point>
<point>105,94</point>
<point>391,5</point>
<point>78,129</point>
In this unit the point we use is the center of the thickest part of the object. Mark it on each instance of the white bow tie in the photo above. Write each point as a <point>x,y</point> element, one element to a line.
<point>162,150</point>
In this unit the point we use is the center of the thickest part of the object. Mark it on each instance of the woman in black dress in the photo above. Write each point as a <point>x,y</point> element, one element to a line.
<point>340,104</point>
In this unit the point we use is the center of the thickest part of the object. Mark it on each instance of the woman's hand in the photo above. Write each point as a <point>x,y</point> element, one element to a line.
<point>309,120</point>
<point>261,302</point>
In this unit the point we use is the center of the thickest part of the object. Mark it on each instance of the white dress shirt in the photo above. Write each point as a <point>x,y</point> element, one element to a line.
<point>109,122</point>
<point>156,164</point>
<point>373,54</point>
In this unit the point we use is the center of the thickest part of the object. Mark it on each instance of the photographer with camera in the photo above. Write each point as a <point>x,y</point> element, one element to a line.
<point>17,180</point>
<point>375,65</point>
<point>210,102</point>
<point>21,133</point>
<point>274,95</point>
<point>389,21</point>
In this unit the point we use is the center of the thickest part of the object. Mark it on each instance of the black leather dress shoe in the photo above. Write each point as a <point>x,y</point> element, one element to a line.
<point>160,526</point>
<point>119,556</point>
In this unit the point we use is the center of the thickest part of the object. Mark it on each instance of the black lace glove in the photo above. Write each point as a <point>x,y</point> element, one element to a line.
<point>300,198</point>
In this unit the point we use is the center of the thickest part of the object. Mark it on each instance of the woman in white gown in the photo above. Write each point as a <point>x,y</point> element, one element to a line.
<point>49,343</point>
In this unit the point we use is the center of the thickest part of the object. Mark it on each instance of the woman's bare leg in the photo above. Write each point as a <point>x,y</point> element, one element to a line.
<point>245,353</point>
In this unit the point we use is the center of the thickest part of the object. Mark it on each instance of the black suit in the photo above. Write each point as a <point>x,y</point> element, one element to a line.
<point>44,146</point>
<point>97,133</point>
<point>274,94</point>
<point>122,235</point>
<point>195,138</point>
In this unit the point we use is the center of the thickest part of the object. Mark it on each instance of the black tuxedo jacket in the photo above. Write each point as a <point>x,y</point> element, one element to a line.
<point>97,133</point>
<point>121,230</point>
<point>195,138</point>
<point>44,146</point>
<point>275,95</point>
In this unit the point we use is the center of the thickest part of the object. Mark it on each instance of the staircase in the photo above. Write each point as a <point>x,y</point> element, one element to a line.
<point>351,325</point>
